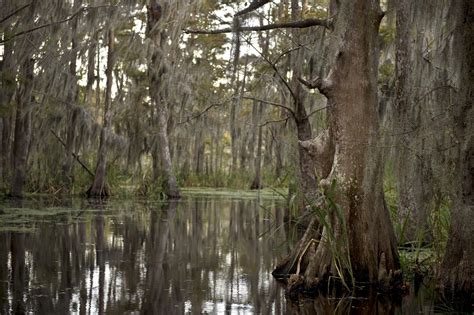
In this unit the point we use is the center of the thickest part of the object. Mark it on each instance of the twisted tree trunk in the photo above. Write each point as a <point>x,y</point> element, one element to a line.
<point>359,226</point>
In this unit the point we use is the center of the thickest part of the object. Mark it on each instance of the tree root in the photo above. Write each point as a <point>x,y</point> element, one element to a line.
<point>310,268</point>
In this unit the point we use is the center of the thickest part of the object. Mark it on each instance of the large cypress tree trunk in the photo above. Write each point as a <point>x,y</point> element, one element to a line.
<point>457,269</point>
<point>156,71</point>
<point>415,187</point>
<point>362,231</point>
<point>99,187</point>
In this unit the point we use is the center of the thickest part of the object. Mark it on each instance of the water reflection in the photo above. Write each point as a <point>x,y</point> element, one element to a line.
<point>196,256</point>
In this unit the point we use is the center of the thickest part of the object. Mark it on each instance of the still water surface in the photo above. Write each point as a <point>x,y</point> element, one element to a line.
<point>199,255</point>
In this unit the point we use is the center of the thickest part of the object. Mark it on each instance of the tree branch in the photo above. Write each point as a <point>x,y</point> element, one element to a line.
<point>273,65</point>
<point>270,103</point>
<point>15,12</point>
<point>318,83</point>
<point>82,9</point>
<point>253,6</point>
<point>200,113</point>
<point>275,121</point>
<point>315,111</point>
<point>73,154</point>
<point>297,24</point>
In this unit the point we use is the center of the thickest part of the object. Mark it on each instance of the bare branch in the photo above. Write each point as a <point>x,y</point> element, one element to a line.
<point>318,83</point>
<point>82,9</point>
<point>14,12</point>
<point>270,103</point>
<point>200,113</point>
<point>73,154</point>
<point>297,24</point>
<point>315,111</point>
<point>253,6</point>
<point>275,121</point>
<point>274,67</point>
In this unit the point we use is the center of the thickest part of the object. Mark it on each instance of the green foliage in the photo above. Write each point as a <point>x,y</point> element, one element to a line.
<point>440,222</point>
<point>419,256</point>
<point>333,221</point>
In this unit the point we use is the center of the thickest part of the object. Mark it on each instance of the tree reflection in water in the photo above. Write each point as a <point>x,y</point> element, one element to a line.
<point>202,255</point>
<point>198,255</point>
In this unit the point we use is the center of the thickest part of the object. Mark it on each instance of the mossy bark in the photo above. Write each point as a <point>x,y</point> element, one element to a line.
<point>156,71</point>
<point>457,270</point>
<point>351,89</point>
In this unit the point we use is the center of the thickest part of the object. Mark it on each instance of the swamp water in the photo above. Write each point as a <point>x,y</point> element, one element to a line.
<point>204,254</point>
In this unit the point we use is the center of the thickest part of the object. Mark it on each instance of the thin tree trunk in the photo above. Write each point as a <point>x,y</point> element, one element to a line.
<point>199,150</point>
<point>22,128</point>
<point>91,54</point>
<point>99,187</point>
<point>7,77</point>
<point>257,182</point>
<point>307,179</point>
<point>71,100</point>
<point>156,71</point>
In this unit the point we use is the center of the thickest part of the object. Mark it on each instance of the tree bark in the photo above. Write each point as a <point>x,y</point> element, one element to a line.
<point>99,186</point>
<point>235,82</point>
<point>156,71</point>
<point>91,69</point>
<point>257,182</point>
<point>7,71</point>
<point>22,135</point>
<point>412,171</point>
<point>457,269</point>
<point>307,178</point>
<point>71,100</point>
<point>199,150</point>
<point>362,231</point>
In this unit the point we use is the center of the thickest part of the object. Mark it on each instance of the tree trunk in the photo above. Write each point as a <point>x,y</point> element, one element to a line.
<point>360,227</point>
<point>199,150</point>
<point>257,182</point>
<point>22,135</point>
<point>235,99</point>
<point>156,71</point>
<point>307,179</point>
<point>457,270</point>
<point>411,168</point>
<point>8,89</point>
<point>91,69</point>
<point>99,187</point>
<point>71,100</point>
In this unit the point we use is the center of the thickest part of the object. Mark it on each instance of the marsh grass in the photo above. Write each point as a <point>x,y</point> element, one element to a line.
<point>419,257</point>
<point>336,238</point>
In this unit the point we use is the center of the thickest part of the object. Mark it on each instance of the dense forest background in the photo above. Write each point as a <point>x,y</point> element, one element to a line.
<point>127,97</point>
